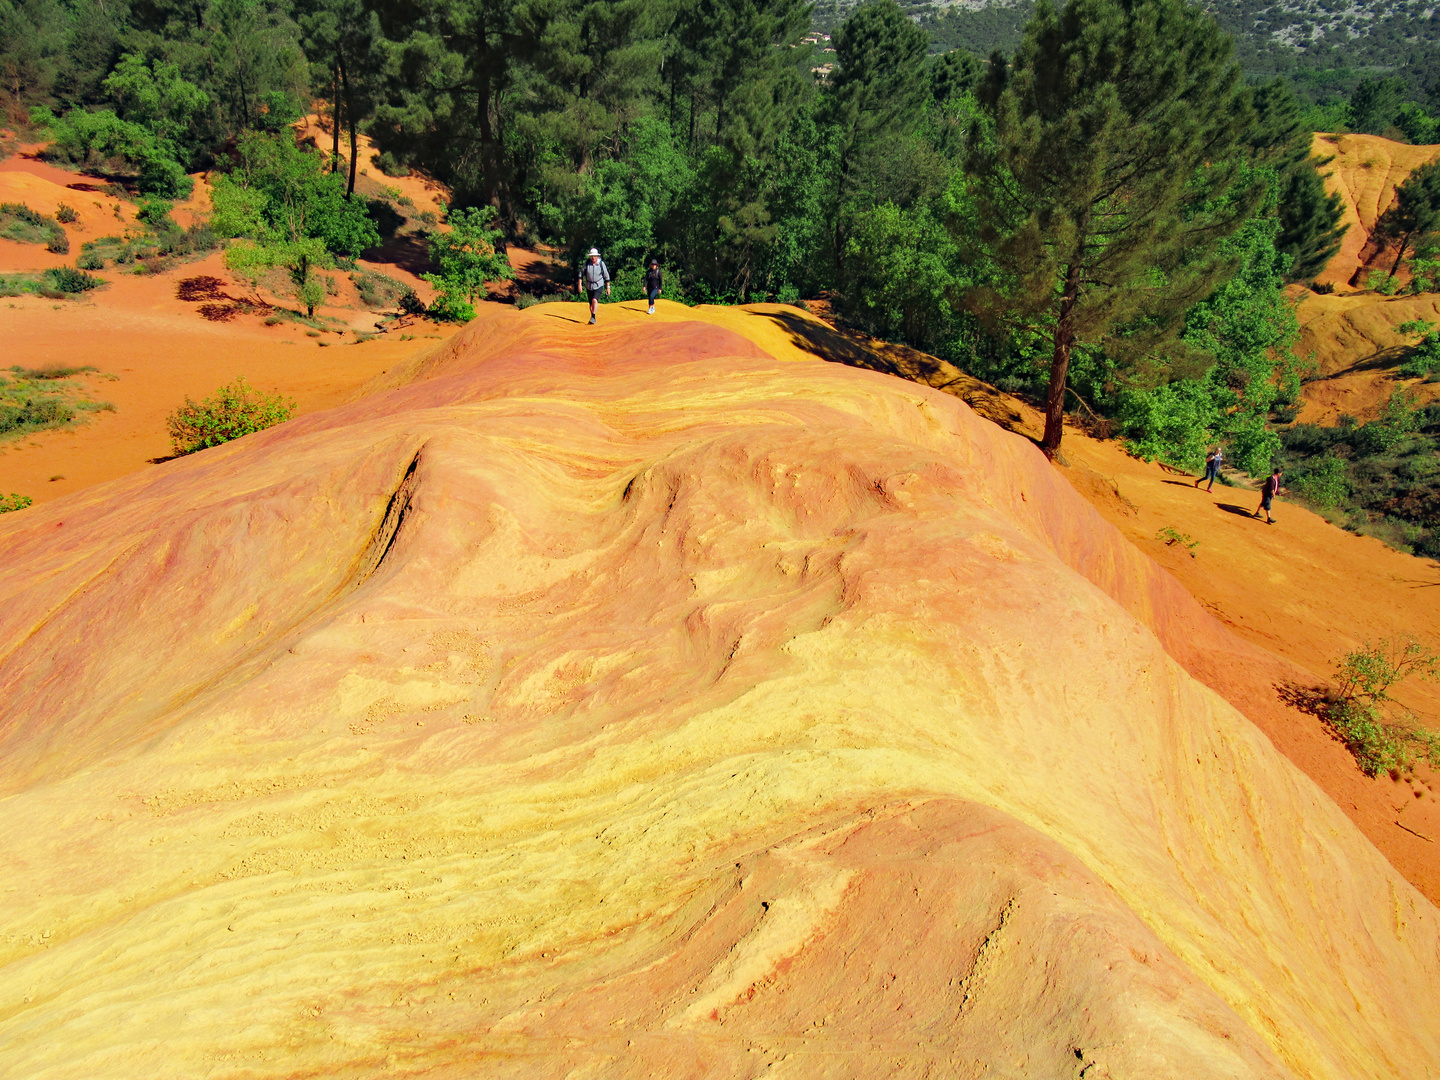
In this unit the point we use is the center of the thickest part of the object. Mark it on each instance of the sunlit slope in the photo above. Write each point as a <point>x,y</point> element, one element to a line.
<point>625,700</point>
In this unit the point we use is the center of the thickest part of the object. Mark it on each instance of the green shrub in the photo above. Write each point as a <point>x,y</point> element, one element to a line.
<point>33,413</point>
<point>235,410</point>
<point>524,300</point>
<point>1360,709</point>
<point>67,279</point>
<point>387,164</point>
<point>90,260</point>
<point>1381,282</point>
<point>1421,359</point>
<point>18,222</point>
<point>18,284</point>
<point>467,259</point>
<point>155,212</point>
<point>12,502</point>
<point>66,215</point>
<point>1322,481</point>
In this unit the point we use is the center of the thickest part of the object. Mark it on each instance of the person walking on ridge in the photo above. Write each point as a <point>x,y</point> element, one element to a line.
<point>1268,492</point>
<point>594,276</point>
<point>654,282</point>
<point>1213,461</point>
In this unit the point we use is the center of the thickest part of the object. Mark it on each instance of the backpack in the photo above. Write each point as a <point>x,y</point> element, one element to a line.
<point>595,275</point>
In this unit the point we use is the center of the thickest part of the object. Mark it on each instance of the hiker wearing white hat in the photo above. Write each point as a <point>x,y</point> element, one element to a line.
<point>594,276</point>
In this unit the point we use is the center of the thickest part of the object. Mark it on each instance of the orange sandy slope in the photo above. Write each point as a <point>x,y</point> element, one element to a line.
<point>158,346</point>
<point>627,701</point>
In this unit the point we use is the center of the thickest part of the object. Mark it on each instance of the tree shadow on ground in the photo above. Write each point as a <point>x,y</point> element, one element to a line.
<point>408,251</point>
<point>855,349</point>
<point>1307,699</point>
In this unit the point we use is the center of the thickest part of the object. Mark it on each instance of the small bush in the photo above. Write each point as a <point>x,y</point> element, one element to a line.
<point>1322,482</point>
<point>90,260</point>
<point>1171,536</point>
<point>12,502</point>
<point>57,242</point>
<point>155,212</point>
<point>235,410</point>
<point>66,215</point>
<point>1381,282</point>
<point>387,164</point>
<point>67,279</point>
<point>33,413</point>
<point>1360,709</point>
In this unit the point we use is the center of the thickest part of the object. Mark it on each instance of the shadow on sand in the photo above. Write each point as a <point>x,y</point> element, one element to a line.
<point>858,350</point>
<point>1231,508</point>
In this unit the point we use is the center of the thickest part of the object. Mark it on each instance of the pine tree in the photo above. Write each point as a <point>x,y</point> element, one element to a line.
<point>878,90</point>
<point>1416,213</point>
<point>1112,177</point>
<point>1310,219</point>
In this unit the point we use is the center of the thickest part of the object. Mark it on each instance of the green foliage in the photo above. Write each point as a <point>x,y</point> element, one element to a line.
<point>1375,105</point>
<point>34,400</point>
<point>1321,481</point>
<point>277,191</point>
<point>467,259</point>
<point>103,143</point>
<point>1422,359</point>
<point>66,215</point>
<point>299,258</point>
<point>69,280</point>
<point>1113,177</point>
<point>1170,536</point>
<point>18,222</point>
<point>1415,217</point>
<point>1363,714</point>
<point>12,502</point>
<point>380,291</point>
<point>235,410</point>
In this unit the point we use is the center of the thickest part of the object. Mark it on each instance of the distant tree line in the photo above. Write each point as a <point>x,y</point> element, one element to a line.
<point>1111,217</point>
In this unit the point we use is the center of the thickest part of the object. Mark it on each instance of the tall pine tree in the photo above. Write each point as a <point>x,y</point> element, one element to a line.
<point>1112,176</point>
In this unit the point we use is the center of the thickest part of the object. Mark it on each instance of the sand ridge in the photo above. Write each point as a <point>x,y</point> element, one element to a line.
<point>506,719</point>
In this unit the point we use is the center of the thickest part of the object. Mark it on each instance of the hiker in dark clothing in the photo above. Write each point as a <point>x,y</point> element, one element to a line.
<point>1213,461</point>
<point>1267,495</point>
<point>654,282</point>
<point>594,276</point>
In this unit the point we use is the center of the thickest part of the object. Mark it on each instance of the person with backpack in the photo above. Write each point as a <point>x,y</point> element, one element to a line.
<point>654,282</point>
<point>594,276</point>
<point>1268,492</point>
<point>1213,461</point>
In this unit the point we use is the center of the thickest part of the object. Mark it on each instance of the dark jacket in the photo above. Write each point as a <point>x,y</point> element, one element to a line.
<point>654,280</point>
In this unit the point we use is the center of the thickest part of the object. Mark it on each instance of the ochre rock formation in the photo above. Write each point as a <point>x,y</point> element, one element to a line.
<point>634,703</point>
<point>1365,170</point>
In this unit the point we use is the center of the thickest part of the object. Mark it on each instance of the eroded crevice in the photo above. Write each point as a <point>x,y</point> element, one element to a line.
<point>383,539</point>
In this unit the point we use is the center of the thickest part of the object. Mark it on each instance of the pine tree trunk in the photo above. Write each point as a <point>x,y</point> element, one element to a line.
<point>1060,364</point>
<point>350,120</point>
<point>335,119</point>
<point>1404,243</point>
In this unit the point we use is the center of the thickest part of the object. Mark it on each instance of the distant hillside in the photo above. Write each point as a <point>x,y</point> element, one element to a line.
<point>1324,45</point>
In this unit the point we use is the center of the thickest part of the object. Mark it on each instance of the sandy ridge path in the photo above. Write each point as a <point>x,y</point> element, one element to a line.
<point>582,708</point>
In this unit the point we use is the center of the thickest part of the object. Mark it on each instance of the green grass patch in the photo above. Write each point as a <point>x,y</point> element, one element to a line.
<point>18,222</point>
<point>12,502</point>
<point>36,399</point>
